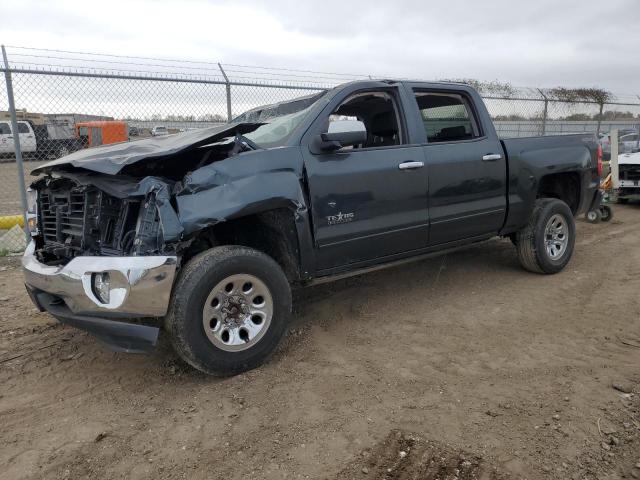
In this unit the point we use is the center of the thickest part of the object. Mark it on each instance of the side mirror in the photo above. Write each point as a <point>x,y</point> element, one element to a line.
<point>342,133</point>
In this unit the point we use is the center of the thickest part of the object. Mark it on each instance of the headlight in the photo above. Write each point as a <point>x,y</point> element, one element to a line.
<point>101,286</point>
<point>32,211</point>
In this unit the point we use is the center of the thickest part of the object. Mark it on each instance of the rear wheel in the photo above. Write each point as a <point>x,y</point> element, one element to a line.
<point>230,308</point>
<point>606,213</point>
<point>545,244</point>
<point>593,216</point>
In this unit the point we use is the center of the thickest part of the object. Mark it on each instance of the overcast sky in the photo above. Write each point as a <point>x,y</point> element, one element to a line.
<point>527,43</point>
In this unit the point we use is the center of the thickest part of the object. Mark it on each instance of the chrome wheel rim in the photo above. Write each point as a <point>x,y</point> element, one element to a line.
<point>237,312</point>
<point>556,236</point>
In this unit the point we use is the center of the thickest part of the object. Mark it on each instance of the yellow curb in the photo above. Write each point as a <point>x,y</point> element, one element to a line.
<point>10,221</point>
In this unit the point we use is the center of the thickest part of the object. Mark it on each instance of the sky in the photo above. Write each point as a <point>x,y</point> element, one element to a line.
<point>537,43</point>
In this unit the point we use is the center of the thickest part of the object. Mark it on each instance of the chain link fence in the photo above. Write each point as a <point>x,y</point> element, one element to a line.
<point>67,101</point>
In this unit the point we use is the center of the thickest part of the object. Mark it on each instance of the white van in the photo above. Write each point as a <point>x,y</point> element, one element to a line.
<point>27,138</point>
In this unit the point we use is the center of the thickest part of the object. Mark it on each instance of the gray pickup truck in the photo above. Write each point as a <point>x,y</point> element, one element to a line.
<point>205,233</point>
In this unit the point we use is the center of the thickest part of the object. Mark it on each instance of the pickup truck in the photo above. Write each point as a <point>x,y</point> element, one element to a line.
<point>205,233</point>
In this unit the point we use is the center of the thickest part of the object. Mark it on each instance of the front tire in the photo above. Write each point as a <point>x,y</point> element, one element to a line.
<point>230,308</point>
<point>545,244</point>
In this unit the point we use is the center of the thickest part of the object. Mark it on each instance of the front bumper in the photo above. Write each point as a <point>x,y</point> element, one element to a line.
<point>140,287</point>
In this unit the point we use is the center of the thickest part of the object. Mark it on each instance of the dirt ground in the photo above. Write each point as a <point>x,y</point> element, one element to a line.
<point>457,367</point>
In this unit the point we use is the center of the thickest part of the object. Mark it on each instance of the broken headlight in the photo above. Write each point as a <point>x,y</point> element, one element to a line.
<point>32,211</point>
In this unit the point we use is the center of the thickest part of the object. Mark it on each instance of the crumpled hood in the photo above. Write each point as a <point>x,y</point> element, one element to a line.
<point>629,159</point>
<point>110,159</point>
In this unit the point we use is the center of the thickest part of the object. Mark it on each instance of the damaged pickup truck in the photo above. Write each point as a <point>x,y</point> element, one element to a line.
<point>205,233</point>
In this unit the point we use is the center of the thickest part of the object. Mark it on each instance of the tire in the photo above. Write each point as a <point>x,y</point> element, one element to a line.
<point>200,340</point>
<point>533,253</point>
<point>622,200</point>
<point>606,213</point>
<point>593,216</point>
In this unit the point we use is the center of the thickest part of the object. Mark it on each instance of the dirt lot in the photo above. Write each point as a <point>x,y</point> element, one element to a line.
<point>461,366</point>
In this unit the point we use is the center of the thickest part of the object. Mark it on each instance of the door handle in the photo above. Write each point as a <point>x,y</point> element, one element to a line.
<point>491,157</point>
<point>410,165</point>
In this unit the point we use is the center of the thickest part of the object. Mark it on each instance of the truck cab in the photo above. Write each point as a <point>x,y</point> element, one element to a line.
<point>26,135</point>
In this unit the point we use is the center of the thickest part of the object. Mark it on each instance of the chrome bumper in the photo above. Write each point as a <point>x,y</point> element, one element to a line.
<point>140,286</point>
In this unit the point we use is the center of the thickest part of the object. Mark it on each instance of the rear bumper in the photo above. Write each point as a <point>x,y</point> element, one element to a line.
<point>140,286</point>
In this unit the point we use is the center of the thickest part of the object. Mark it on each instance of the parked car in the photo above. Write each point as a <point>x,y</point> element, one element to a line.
<point>629,177</point>
<point>207,232</point>
<point>37,141</point>
<point>159,131</point>
<point>629,143</point>
<point>27,137</point>
<point>605,141</point>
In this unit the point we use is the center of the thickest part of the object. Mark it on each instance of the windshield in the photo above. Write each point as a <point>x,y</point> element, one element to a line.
<point>280,120</point>
<point>277,130</point>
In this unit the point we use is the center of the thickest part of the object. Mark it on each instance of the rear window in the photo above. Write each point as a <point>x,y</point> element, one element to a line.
<point>447,117</point>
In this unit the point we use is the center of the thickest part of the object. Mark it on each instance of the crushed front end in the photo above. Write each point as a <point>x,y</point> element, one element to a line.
<point>96,258</point>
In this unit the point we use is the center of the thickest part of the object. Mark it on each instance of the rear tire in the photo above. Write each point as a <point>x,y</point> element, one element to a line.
<point>230,308</point>
<point>545,244</point>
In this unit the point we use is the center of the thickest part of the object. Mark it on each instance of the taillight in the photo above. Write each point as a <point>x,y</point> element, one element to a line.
<point>599,160</point>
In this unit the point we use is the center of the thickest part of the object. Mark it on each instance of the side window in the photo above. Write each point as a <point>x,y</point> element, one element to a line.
<point>4,129</point>
<point>23,128</point>
<point>447,117</point>
<point>379,113</point>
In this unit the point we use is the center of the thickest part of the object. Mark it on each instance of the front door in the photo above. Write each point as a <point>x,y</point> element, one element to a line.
<point>368,201</point>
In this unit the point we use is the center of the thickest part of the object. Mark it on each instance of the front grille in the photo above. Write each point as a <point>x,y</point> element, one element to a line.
<point>82,220</point>
<point>630,172</point>
<point>62,217</point>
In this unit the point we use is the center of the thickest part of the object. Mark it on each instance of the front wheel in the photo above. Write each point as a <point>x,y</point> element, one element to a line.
<point>546,243</point>
<point>230,308</point>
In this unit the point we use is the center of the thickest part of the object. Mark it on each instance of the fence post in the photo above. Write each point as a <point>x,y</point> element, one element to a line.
<point>599,119</point>
<point>228,87</point>
<point>16,141</point>
<point>544,114</point>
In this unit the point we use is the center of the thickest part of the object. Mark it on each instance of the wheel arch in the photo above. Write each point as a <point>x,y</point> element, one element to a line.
<point>277,232</point>
<point>565,186</point>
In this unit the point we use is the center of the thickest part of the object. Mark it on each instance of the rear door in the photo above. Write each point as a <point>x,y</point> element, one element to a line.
<point>467,167</point>
<point>6,138</point>
<point>27,137</point>
<point>369,201</point>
